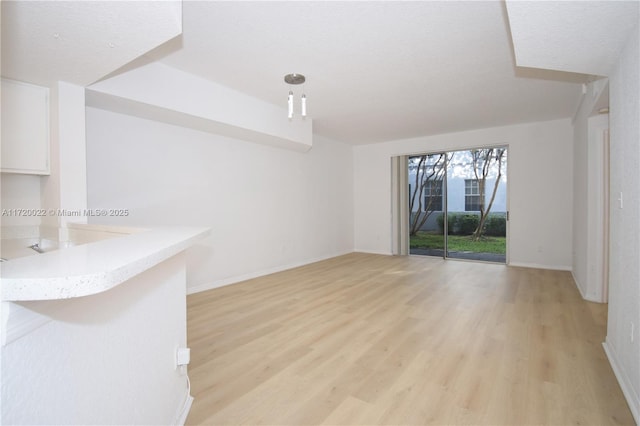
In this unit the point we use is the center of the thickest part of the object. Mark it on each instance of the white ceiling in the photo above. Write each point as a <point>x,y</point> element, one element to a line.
<point>81,41</point>
<point>376,71</point>
<point>577,36</point>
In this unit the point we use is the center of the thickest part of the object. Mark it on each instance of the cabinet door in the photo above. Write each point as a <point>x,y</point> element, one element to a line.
<point>25,128</point>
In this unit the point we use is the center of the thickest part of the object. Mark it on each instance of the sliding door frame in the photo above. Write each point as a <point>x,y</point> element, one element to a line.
<point>400,203</point>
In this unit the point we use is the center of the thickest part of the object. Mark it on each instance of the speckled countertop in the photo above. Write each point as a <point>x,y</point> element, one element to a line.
<point>92,268</point>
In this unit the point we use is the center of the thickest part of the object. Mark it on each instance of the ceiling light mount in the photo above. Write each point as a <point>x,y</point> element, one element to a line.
<point>295,79</point>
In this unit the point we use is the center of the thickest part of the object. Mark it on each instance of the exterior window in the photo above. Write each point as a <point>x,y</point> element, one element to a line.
<point>471,195</point>
<point>433,196</point>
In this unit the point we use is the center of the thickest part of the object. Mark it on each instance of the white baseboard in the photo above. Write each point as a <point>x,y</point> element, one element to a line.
<point>539,266</point>
<point>624,380</point>
<point>384,253</point>
<point>575,280</point>
<point>586,297</point>
<point>239,278</point>
<point>582,293</point>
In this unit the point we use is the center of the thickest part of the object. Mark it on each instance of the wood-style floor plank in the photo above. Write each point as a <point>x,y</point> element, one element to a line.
<point>370,339</point>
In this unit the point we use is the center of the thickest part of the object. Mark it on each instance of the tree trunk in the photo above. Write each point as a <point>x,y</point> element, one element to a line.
<point>424,177</point>
<point>486,168</point>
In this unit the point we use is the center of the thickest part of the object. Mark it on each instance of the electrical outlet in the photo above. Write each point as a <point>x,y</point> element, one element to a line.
<point>183,356</point>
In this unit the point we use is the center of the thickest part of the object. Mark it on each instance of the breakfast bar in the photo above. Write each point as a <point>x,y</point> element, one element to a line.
<point>79,321</point>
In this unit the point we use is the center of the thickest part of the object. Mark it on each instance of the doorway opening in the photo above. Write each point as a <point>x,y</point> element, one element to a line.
<point>457,204</point>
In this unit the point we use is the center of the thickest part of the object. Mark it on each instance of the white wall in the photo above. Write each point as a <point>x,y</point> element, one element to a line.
<point>456,193</point>
<point>580,192</point>
<point>103,359</point>
<point>539,178</point>
<point>268,208</point>
<point>50,185</point>
<point>19,192</point>
<point>588,193</point>
<point>72,150</point>
<point>158,92</point>
<point>623,344</point>
<point>65,186</point>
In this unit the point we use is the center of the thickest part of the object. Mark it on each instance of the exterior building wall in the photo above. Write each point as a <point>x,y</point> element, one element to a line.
<point>456,199</point>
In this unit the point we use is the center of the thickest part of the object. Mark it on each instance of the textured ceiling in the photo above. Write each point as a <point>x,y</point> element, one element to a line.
<point>576,36</point>
<point>375,71</point>
<point>81,41</point>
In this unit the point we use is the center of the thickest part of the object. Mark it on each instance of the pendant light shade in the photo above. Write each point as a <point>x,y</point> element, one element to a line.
<point>295,79</point>
<point>303,105</point>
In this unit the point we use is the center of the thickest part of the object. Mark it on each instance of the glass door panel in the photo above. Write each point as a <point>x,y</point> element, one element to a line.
<point>427,203</point>
<point>458,204</point>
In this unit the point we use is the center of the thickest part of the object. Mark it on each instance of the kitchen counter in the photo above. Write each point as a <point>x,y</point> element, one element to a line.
<point>92,268</point>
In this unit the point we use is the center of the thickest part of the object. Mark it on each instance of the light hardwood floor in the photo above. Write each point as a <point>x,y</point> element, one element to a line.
<point>370,339</point>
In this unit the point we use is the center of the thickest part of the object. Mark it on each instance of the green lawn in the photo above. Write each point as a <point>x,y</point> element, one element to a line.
<point>459,243</point>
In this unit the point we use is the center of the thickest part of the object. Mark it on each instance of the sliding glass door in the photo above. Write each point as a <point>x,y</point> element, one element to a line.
<point>427,201</point>
<point>458,204</point>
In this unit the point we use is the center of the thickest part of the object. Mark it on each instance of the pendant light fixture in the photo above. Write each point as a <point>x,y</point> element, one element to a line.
<point>295,79</point>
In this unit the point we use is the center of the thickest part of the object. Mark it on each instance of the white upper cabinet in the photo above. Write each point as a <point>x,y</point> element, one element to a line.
<point>25,128</point>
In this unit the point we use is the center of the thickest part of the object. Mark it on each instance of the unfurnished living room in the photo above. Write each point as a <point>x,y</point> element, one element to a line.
<point>311,212</point>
